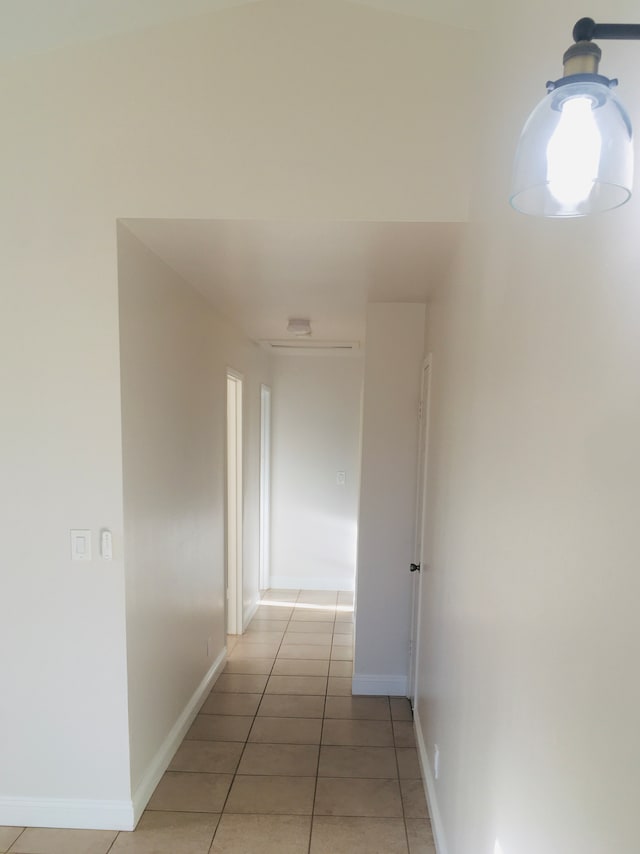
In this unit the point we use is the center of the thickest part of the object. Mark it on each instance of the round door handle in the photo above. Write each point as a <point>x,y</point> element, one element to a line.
<point>414,567</point>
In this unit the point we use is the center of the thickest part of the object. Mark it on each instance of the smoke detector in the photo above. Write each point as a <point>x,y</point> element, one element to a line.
<point>299,326</point>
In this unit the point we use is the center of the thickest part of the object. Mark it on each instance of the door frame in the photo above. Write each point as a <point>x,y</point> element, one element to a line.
<point>234,502</point>
<point>265,485</point>
<point>419,530</point>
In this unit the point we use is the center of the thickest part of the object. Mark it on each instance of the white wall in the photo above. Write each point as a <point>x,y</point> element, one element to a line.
<point>63,705</point>
<point>173,418</point>
<point>316,407</point>
<point>392,371</point>
<point>529,678</point>
<point>273,110</point>
<point>173,356</point>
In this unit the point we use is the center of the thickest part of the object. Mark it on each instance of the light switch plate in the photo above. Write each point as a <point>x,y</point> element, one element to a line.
<point>80,544</point>
<point>341,478</point>
<point>106,544</point>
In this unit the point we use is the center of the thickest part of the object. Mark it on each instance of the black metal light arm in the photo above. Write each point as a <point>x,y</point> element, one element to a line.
<point>586,29</point>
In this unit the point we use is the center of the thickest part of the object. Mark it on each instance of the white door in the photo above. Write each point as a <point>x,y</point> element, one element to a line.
<point>418,566</point>
<point>234,503</point>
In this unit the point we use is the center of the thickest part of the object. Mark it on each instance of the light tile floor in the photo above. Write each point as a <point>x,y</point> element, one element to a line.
<point>281,758</point>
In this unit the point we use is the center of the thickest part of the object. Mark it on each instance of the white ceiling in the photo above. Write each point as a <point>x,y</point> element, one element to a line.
<point>259,274</point>
<point>255,273</point>
<point>33,26</point>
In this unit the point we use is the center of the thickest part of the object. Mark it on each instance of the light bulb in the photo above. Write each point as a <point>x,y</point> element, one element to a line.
<point>573,153</point>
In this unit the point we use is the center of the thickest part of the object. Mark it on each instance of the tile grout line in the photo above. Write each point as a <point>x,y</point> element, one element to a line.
<point>315,786</point>
<point>246,742</point>
<point>117,836</point>
<point>395,751</point>
<point>288,629</point>
<point>17,838</point>
<point>324,714</point>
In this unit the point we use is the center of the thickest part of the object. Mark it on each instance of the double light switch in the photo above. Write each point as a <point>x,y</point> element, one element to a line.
<point>81,544</point>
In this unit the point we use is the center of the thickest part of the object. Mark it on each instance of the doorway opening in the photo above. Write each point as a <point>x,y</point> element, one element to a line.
<point>265,485</point>
<point>235,504</point>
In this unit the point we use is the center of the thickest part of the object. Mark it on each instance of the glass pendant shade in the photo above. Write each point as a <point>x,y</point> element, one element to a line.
<point>575,155</point>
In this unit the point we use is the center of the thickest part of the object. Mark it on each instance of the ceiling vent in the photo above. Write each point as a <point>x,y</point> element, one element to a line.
<point>309,347</point>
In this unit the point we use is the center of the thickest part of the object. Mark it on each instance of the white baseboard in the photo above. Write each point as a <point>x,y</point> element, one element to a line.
<point>430,787</point>
<point>249,615</point>
<point>88,814</point>
<point>293,582</point>
<point>66,812</point>
<point>395,686</point>
<point>167,749</point>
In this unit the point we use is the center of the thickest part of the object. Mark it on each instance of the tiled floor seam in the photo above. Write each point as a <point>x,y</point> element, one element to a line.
<point>16,839</point>
<point>255,716</point>
<point>246,741</point>
<point>110,848</point>
<point>395,750</point>
<point>315,788</point>
<point>244,748</point>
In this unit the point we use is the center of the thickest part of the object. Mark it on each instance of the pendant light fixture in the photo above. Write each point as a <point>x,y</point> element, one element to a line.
<point>575,155</point>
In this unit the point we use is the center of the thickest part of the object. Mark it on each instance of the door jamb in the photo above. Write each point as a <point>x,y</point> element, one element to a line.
<point>234,502</point>
<point>265,484</point>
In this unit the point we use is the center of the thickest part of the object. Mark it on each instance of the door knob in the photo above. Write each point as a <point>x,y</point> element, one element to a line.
<point>414,567</point>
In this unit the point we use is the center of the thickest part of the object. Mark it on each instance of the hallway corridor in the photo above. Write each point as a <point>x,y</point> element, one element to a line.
<point>281,759</point>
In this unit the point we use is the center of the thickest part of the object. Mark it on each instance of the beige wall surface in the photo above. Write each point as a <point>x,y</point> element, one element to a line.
<point>529,678</point>
<point>328,110</point>
<point>173,356</point>
<point>173,417</point>
<point>316,407</point>
<point>63,710</point>
<point>280,109</point>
